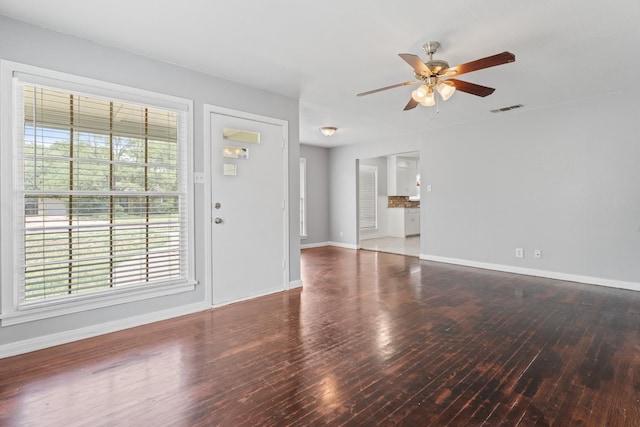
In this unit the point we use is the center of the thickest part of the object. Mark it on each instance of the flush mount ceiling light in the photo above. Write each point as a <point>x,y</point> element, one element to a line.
<point>436,75</point>
<point>328,130</point>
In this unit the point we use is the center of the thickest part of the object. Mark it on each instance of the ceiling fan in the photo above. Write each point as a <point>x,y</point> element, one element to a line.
<point>436,74</point>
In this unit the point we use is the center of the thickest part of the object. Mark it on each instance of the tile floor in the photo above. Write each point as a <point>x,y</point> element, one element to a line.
<point>396,245</point>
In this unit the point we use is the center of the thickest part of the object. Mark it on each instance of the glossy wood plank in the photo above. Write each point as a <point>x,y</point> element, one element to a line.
<point>472,88</point>
<point>480,64</point>
<point>373,339</point>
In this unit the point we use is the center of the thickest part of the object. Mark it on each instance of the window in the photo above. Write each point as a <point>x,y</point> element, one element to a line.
<point>100,189</point>
<point>368,189</point>
<point>303,200</point>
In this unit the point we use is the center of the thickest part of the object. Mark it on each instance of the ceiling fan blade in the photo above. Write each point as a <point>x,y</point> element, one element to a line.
<point>479,64</point>
<point>471,88</point>
<point>385,88</point>
<point>417,64</point>
<point>411,104</point>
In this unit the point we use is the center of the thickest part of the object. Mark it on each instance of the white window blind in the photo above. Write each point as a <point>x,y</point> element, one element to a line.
<point>368,189</point>
<point>101,187</point>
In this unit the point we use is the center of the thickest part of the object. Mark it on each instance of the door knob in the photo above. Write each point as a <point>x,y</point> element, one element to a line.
<point>218,220</point>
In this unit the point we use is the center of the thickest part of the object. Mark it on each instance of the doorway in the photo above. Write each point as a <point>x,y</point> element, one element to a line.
<point>389,203</point>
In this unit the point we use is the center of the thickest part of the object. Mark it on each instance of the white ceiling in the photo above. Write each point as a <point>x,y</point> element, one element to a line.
<point>325,52</point>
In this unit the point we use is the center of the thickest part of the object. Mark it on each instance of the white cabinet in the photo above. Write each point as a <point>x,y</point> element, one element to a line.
<point>406,181</point>
<point>402,175</point>
<point>411,221</point>
<point>403,222</point>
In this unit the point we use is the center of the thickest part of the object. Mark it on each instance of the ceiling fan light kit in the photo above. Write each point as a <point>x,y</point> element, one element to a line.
<point>437,74</point>
<point>424,95</point>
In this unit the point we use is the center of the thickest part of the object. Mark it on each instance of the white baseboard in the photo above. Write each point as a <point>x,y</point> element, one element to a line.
<point>38,343</point>
<point>344,245</point>
<point>314,245</point>
<point>250,297</point>
<point>336,244</point>
<point>633,286</point>
<point>295,284</point>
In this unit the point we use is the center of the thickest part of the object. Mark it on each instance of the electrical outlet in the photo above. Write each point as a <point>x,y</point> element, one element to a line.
<point>519,253</point>
<point>341,234</point>
<point>537,253</point>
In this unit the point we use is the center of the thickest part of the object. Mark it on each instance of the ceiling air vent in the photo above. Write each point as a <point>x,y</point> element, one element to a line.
<point>503,109</point>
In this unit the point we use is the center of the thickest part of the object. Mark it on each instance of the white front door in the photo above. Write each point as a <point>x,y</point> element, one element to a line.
<point>248,197</point>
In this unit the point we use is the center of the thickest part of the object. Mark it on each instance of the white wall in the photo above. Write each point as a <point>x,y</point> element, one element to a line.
<point>317,194</point>
<point>565,180</point>
<point>43,48</point>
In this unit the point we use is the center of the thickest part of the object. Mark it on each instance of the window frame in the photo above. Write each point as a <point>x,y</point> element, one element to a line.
<point>10,311</point>
<point>303,198</point>
<point>374,171</point>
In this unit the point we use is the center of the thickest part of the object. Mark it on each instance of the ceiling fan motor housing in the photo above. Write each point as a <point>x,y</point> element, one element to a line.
<point>436,66</point>
<point>431,80</point>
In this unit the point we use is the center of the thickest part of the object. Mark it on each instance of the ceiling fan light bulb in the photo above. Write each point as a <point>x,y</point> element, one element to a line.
<point>429,99</point>
<point>419,94</point>
<point>428,102</point>
<point>446,90</point>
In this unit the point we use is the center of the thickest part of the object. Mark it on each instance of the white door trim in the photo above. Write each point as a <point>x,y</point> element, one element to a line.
<point>210,109</point>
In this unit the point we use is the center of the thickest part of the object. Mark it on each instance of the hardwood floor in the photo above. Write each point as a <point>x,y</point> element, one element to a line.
<point>373,339</point>
<point>395,245</point>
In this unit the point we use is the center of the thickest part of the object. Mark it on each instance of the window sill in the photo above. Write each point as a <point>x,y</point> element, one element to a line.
<point>92,302</point>
<point>303,237</point>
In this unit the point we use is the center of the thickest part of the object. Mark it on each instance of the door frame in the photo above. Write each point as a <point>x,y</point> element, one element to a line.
<point>207,179</point>
<point>357,189</point>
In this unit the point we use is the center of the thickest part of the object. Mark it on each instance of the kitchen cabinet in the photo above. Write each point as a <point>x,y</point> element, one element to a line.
<point>406,181</point>
<point>402,175</point>
<point>411,221</point>
<point>403,222</point>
